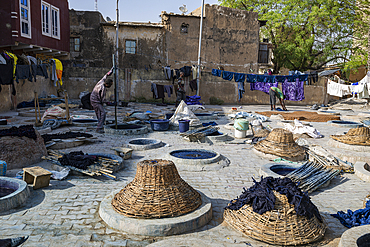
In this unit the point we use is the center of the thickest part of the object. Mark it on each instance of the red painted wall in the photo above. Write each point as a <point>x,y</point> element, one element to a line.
<point>37,38</point>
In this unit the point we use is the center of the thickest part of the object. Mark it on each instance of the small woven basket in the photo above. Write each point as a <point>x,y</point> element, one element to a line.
<point>281,226</point>
<point>280,142</point>
<point>157,191</point>
<point>355,136</point>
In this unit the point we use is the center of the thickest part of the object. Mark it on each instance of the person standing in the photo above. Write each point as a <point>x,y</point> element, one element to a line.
<point>276,92</point>
<point>181,94</point>
<point>97,99</point>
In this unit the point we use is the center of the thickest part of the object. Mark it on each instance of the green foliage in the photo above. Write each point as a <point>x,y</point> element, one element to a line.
<point>309,34</point>
<point>215,101</point>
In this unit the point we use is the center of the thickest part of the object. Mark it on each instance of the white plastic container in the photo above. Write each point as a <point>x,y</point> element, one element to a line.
<point>240,133</point>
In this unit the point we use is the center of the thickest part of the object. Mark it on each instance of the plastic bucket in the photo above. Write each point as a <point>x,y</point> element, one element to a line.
<point>184,125</point>
<point>160,124</point>
<point>2,168</point>
<point>240,133</point>
<point>241,124</point>
<point>169,115</point>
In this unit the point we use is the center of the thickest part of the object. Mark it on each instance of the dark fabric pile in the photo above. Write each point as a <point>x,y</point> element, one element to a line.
<point>67,135</point>
<point>23,130</point>
<point>31,103</point>
<point>261,197</point>
<point>357,218</point>
<point>78,159</point>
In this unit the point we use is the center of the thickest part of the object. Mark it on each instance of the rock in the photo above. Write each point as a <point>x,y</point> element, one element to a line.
<point>19,152</point>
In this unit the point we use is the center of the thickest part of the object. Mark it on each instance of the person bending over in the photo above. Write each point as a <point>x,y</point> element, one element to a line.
<point>276,92</point>
<point>97,98</point>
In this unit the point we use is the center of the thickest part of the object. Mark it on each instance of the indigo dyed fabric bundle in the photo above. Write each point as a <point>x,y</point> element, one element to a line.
<point>23,130</point>
<point>78,159</point>
<point>261,197</point>
<point>357,218</point>
<point>67,135</point>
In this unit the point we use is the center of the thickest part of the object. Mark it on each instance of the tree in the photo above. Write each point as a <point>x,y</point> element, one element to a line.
<point>309,34</point>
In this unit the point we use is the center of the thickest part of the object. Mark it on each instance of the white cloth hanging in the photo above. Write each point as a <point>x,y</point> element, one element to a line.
<point>337,89</point>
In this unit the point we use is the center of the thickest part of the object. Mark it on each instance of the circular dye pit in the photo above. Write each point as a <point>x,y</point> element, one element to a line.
<point>356,236</point>
<point>362,170</point>
<point>144,144</point>
<point>339,123</point>
<point>282,170</point>
<point>197,160</point>
<point>193,154</point>
<point>277,170</point>
<point>126,129</point>
<point>363,241</point>
<point>13,193</point>
<point>85,122</point>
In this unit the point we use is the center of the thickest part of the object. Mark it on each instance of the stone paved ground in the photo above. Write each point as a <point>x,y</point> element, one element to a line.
<point>66,212</point>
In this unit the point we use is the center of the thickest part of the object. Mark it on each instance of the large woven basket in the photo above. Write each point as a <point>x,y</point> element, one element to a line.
<point>355,136</point>
<point>280,142</point>
<point>281,226</point>
<point>157,191</point>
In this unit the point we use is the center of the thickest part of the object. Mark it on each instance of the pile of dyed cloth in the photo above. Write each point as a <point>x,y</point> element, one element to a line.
<point>67,135</point>
<point>193,100</point>
<point>357,218</point>
<point>78,159</point>
<point>23,130</point>
<point>262,199</point>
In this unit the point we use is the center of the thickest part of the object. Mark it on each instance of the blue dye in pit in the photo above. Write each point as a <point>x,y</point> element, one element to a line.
<point>142,142</point>
<point>5,191</point>
<point>193,154</point>
<point>85,120</point>
<point>343,122</point>
<point>215,134</point>
<point>203,114</point>
<point>282,170</point>
<point>364,240</point>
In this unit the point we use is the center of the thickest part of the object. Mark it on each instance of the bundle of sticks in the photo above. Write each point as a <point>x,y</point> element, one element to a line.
<point>330,161</point>
<point>198,133</point>
<point>312,175</point>
<point>102,167</point>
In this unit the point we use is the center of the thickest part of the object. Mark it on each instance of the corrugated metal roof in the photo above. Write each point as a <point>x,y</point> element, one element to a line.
<point>328,72</point>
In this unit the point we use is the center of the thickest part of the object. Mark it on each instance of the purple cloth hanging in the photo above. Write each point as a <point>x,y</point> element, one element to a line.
<point>293,90</point>
<point>263,86</point>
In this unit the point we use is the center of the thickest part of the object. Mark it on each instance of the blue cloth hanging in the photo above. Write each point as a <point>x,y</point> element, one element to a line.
<point>251,78</point>
<point>227,75</point>
<point>239,77</point>
<point>216,72</point>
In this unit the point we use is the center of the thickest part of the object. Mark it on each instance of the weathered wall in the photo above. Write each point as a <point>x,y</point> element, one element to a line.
<point>230,39</point>
<point>150,45</point>
<point>25,91</point>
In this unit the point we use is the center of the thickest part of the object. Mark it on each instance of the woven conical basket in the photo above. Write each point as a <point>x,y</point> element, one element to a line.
<point>280,142</point>
<point>281,226</point>
<point>157,191</point>
<point>355,136</point>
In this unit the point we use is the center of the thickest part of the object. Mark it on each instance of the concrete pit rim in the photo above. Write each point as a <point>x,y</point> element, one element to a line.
<point>18,197</point>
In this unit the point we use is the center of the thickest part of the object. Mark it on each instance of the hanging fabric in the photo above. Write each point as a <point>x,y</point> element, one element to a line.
<point>336,89</point>
<point>216,72</point>
<point>227,75</point>
<point>293,91</point>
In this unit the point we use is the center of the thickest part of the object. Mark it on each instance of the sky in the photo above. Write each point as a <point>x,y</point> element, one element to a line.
<point>137,10</point>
